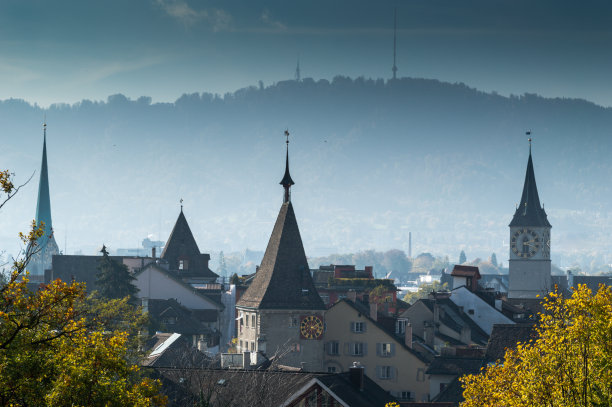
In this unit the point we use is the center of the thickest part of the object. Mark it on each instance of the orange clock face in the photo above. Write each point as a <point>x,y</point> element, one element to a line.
<point>311,327</point>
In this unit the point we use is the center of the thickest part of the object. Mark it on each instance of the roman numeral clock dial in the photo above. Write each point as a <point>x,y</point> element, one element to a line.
<point>525,243</point>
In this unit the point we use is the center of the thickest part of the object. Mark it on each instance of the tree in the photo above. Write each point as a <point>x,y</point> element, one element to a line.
<point>235,279</point>
<point>493,259</point>
<point>462,258</point>
<point>114,280</point>
<point>424,290</point>
<point>569,364</point>
<point>58,347</point>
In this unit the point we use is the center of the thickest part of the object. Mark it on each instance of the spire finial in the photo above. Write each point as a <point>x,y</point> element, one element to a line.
<point>181,201</point>
<point>286,182</point>
<point>528,133</point>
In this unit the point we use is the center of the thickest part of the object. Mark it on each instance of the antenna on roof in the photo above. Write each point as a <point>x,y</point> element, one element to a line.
<point>297,71</point>
<point>394,69</point>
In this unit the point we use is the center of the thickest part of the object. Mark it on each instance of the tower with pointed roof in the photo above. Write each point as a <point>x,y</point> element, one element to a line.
<point>46,246</point>
<point>182,255</point>
<point>281,312</point>
<point>530,265</point>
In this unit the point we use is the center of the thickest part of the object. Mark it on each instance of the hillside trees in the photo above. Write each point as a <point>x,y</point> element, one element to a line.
<point>569,364</point>
<point>58,347</point>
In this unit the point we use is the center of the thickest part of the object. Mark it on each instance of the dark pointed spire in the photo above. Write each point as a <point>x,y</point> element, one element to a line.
<point>286,182</point>
<point>43,204</point>
<point>283,281</point>
<point>529,212</point>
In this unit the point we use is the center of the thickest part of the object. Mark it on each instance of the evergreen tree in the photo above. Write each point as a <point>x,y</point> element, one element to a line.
<point>462,258</point>
<point>114,279</point>
<point>235,279</point>
<point>494,259</point>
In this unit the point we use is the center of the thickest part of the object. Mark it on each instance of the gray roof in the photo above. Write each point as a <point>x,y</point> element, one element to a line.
<point>506,336</point>
<point>83,269</point>
<point>283,281</point>
<point>529,211</point>
<point>181,245</point>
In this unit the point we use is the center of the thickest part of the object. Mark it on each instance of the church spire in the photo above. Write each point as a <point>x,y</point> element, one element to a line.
<point>286,182</point>
<point>43,205</point>
<point>529,212</point>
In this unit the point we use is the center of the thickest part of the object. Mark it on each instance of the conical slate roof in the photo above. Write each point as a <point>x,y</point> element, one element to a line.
<point>529,211</point>
<point>283,281</point>
<point>181,245</point>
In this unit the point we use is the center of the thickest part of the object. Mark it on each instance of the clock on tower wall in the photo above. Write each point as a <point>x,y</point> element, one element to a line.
<point>529,265</point>
<point>311,327</point>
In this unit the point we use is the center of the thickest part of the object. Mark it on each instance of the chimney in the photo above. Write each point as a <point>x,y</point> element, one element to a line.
<point>153,252</point>
<point>408,335</point>
<point>374,311</point>
<point>356,375</point>
<point>368,270</point>
<point>352,295</point>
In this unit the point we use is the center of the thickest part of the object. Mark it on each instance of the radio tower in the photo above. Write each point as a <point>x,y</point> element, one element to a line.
<point>394,69</point>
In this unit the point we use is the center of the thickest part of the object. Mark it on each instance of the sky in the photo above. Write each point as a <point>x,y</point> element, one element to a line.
<point>64,51</point>
<point>68,50</point>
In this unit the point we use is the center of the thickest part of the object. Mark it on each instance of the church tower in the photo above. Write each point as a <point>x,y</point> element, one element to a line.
<point>281,312</point>
<point>529,243</point>
<point>46,246</point>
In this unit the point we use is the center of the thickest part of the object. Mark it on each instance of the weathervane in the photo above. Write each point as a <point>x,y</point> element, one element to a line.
<point>287,135</point>
<point>181,201</point>
<point>528,133</point>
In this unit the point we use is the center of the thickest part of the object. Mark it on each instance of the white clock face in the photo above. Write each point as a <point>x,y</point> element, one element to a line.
<point>525,243</point>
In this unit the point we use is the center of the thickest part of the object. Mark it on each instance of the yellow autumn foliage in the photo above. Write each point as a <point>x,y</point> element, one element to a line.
<point>568,364</point>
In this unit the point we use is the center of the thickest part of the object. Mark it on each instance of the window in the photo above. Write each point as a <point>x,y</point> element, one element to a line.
<point>183,264</point>
<point>253,346</point>
<point>333,348</point>
<point>400,326</point>
<point>356,349</point>
<point>405,395</point>
<point>386,349</point>
<point>358,327</point>
<point>385,372</point>
<point>253,320</point>
<point>293,322</point>
<point>246,319</point>
<point>331,369</point>
<point>241,346</point>
<point>420,375</point>
<point>325,299</point>
<point>295,347</point>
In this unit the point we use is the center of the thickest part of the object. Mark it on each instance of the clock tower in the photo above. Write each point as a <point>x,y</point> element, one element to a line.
<point>281,313</point>
<point>529,244</point>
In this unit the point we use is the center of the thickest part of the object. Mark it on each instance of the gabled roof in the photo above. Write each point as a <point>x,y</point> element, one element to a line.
<point>180,282</point>
<point>185,321</point>
<point>283,281</point>
<point>506,336</point>
<point>465,271</point>
<point>181,245</point>
<point>529,211</point>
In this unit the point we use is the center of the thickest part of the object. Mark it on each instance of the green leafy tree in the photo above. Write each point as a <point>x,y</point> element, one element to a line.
<point>114,280</point>
<point>568,365</point>
<point>462,257</point>
<point>235,279</point>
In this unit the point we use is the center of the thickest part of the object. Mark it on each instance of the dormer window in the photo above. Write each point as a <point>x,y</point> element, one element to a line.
<point>183,264</point>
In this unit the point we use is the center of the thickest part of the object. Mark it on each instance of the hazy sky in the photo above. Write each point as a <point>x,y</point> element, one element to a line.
<point>68,50</point>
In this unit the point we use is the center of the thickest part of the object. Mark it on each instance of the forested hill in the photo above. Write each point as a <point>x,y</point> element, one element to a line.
<point>372,160</point>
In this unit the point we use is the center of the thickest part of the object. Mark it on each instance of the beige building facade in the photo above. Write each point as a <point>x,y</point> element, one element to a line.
<point>352,336</point>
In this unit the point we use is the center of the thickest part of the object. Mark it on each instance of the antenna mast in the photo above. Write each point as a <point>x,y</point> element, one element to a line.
<point>297,71</point>
<point>394,69</point>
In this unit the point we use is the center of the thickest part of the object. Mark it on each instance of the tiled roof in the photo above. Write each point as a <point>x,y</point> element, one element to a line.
<point>454,366</point>
<point>465,271</point>
<point>183,320</point>
<point>506,336</point>
<point>283,281</point>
